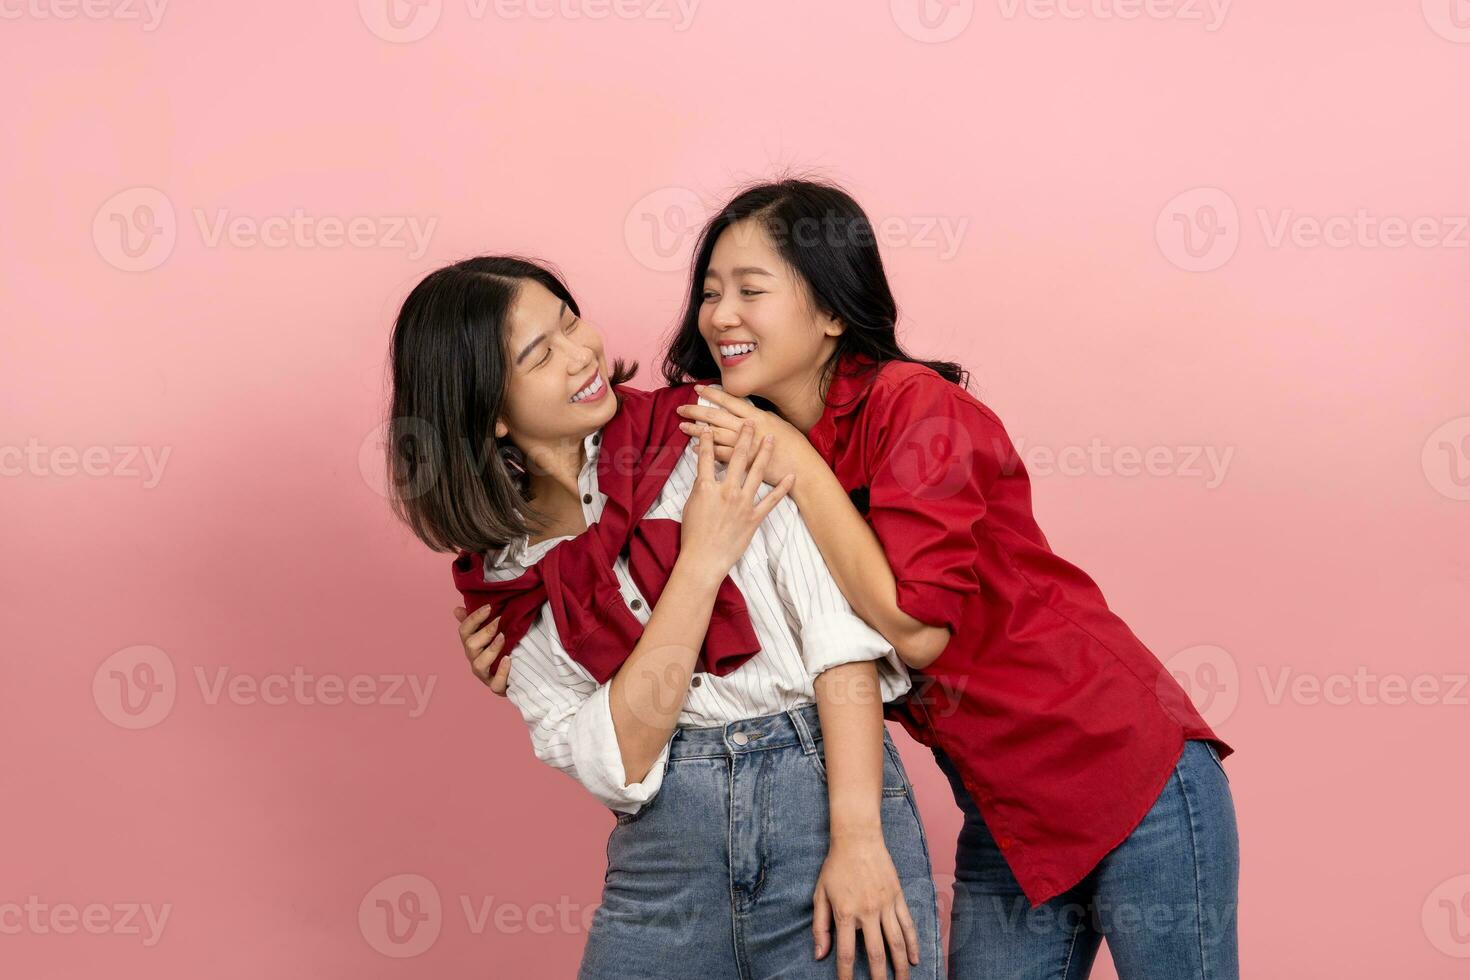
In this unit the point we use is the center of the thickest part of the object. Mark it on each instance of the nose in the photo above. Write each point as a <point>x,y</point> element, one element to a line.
<point>578,355</point>
<point>724,316</point>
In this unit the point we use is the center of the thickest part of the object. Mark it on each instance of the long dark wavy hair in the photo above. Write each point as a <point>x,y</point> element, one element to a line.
<point>450,479</point>
<point>822,233</point>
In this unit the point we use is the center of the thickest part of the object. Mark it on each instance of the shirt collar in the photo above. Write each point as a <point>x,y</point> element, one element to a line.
<point>520,550</point>
<point>845,394</point>
<point>850,381</point>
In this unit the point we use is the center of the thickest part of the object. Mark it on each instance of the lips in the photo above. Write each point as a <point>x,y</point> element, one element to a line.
<point>734,352</point>
<point>591,390</point>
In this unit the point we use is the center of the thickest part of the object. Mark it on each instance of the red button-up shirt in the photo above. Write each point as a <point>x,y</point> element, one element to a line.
<point>1063,725</point>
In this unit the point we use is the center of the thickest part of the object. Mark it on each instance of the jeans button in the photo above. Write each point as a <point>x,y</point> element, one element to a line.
<point>740,738</point>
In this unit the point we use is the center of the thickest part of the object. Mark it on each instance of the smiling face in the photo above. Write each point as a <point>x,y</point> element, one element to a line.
<point>759,319</point>
<point>557,389</point>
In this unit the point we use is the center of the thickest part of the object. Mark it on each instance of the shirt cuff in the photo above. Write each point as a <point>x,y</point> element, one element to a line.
<point>599,764</point>
<point>833,639</point>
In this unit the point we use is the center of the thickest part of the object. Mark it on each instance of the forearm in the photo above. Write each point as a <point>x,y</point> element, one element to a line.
<point>855,557</point>
<point>648,692</point>
<point>851,711</point>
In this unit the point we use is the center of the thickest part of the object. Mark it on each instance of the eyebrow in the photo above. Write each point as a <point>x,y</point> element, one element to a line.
<point>752,270</point>
<point>541,336</point>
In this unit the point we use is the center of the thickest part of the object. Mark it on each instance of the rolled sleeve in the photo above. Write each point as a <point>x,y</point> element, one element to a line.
<point>829,632</point>
<point>570,721</point>
<point>833,639</point>
<point>599,763</point>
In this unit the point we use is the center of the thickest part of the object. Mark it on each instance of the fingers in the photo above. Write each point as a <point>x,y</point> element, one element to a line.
<point>481,662</point>
<point>757,474</point>
<point>898,948</point>
<point>740,458</point>
<point>873,946</point>
<point>769,502</point>
<point>481,638</point>
<point>469,624</point>
<point>846,948</point>
<point>910,931</point>
<point>500,682</point>
<point>706,454</point>
<point>821,924</point>
<point>724,399</point>
<point>723,438</point>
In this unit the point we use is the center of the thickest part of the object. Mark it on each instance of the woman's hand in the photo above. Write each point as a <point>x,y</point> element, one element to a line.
<point>789,452</point>
<point>721,515</point>
<point>481,642</point>
<point>858,888</point>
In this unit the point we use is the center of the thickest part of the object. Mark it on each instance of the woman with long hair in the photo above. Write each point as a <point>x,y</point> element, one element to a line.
<point>679,647</point>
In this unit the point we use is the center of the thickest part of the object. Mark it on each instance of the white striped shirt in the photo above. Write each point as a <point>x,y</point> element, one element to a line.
<point>802,620</point>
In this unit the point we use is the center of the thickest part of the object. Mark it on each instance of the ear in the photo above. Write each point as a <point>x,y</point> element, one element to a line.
<point>831,326</point>
<point>500,430</point>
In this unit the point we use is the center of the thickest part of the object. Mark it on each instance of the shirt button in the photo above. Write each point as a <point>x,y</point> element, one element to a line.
<point>696,680</point>
<point>740,738</point>
<point>637,604</point>
<point>597,439</point>
<point>586,498</point>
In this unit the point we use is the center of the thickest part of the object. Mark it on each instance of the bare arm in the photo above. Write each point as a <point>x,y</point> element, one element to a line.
<point>720,517</point>
<point>648,691</point>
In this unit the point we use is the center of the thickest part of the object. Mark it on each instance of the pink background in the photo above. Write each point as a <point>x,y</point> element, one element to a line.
<point>1067,155</point>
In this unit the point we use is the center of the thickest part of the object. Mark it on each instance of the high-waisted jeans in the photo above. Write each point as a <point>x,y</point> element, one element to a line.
<point>713,878</point>
<point>1164,899</point>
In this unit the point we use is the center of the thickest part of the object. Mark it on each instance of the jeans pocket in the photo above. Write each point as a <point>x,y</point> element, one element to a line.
<point>895,782</point>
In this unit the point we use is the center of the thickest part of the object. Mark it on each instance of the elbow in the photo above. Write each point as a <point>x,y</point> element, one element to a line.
<point>922,646</point>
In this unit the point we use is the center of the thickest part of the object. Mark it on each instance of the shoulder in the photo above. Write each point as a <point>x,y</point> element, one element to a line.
<point>903,390</point>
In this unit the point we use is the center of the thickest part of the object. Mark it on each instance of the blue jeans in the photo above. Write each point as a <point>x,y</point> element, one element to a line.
<point>713,878</point>
<point>1164,899</point>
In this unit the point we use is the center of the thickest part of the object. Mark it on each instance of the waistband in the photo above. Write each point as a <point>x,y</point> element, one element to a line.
<point>795,727</point>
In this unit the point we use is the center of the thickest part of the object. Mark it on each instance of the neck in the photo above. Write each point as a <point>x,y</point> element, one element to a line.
<point>802,398</point>
<point>554,467</point>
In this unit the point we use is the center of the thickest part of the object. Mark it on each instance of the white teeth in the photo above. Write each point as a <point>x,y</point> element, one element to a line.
<point>589,391</point>
<point>731,350</point>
